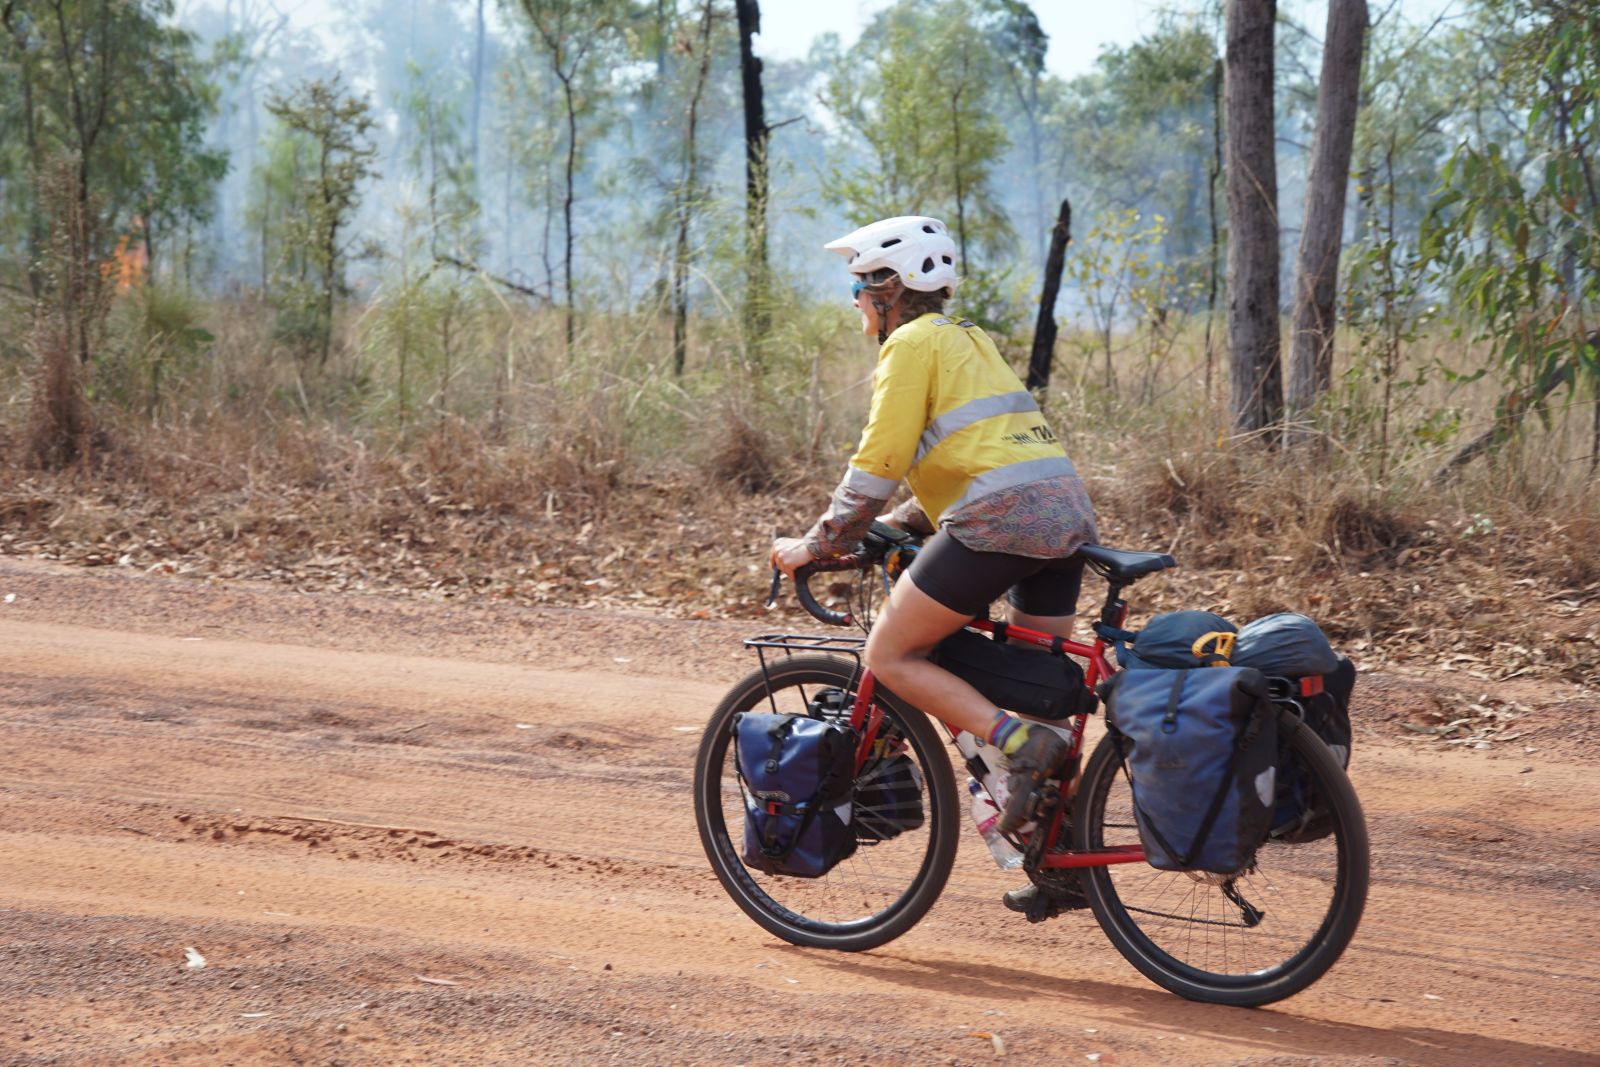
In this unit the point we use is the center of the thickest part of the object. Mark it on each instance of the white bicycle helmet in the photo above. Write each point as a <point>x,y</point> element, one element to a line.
<point>915,247</point>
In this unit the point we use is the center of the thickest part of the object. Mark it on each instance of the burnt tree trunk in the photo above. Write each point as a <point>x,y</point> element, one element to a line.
<point>1254,344</point>
<point>1044,333</point>
<point>1317,267</point>
<point>756,135</point>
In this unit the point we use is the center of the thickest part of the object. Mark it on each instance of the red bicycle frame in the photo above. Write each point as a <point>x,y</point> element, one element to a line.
<point>866,717</point>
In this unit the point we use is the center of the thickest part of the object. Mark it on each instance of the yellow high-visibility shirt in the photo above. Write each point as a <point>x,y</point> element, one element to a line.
<point>950,417</point>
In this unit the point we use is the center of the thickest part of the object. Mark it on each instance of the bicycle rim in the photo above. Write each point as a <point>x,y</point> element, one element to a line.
<point>1259,938</point>
<point>874,895</point>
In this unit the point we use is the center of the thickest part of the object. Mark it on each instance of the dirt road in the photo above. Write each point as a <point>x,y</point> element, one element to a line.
<point>402,832</point>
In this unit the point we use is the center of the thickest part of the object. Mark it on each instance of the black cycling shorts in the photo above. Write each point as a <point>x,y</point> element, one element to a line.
<point>968,582</point>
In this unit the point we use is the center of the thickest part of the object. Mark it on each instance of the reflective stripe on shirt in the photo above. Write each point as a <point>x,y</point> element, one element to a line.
<point>1014,474</point>
<point>869,484</point>
<point>959,418</point>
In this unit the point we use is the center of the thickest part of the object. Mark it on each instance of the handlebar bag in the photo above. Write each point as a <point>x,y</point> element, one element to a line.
<point>1175,640</point>
<point>1300,814</point>
<point>1023,680</point>
<point>1200,747</point>
<point>796,772</point>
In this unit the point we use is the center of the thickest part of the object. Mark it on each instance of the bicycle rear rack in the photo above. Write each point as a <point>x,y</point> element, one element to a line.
<point>792,643</point>
<point>789,644</point>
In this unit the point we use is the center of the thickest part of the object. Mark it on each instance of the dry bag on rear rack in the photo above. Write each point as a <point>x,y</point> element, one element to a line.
<point>1175,640</point>
<point>1200,748</point>
<point>796,773</point>
<point>1308,677</point>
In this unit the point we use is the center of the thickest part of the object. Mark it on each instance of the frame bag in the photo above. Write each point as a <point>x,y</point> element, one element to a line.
<point>1018,679</point>
<point>1200,747</point>
<point>797,775</point>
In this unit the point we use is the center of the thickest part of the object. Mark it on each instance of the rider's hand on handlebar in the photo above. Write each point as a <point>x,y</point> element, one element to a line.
<point>789,554</point>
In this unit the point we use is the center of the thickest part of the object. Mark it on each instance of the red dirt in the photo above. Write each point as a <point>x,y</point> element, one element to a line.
<point>333,798</point>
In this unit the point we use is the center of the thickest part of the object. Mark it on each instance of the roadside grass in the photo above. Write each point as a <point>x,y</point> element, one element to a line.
<point>507,468</point>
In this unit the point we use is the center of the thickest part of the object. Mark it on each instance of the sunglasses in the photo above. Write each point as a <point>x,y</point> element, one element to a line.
<point>856,287</point>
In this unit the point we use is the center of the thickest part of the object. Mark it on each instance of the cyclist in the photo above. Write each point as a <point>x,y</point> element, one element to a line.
<point>950,417</point>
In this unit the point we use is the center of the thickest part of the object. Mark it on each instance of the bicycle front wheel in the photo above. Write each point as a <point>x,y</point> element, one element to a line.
<point>1249,940</point>
<point>897,870</point>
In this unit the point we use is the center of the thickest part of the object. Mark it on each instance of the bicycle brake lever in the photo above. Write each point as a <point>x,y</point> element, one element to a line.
<point>772,594</point>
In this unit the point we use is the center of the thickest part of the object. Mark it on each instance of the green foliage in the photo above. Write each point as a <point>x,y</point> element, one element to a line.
<point>918,104</point>
<point>331,156</point>
<point>115,87</point>
<point>158,338</point>
<point>441,157</point>
<point>1122,278</point>
<point>1514,234</point>
<point>1140,128</point>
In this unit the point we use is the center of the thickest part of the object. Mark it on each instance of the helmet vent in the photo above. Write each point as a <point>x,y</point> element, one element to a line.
<point>927,266</point>
<point>947,260</point>
<point>891,242</point>
<point>928,229</point>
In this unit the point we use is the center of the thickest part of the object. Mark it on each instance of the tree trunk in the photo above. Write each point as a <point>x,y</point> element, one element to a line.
<point>1317,269</point>
<point>756,135</point>
<point>566,207</point>
<point>477,100</point>
<point>961,204</point>
<point>1211,213</point>
<point>687,195</point>
<point>1252,183</point>
<point>1044,333</point>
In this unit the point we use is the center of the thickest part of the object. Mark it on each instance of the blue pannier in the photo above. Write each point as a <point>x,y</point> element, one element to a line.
<point>797,774</point>
<point>1201,749</point>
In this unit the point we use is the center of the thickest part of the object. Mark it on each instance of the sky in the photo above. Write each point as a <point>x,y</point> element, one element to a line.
<point>1078,29</point>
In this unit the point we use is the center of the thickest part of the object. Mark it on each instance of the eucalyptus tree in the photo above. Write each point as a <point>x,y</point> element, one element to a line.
<point>1321,237</point>
<point>117,89</point>
<point>579,39</point>
<point>1515,233</point>
<point>917,106</point>
<point>1256,394</point>
<point>333,126</point>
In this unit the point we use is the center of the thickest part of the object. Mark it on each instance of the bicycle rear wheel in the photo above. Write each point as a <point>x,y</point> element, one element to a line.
<point>891,880</point>
<point>1251,940</point>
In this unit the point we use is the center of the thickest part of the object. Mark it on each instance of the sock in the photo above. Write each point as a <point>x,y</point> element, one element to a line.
<point>1007,733</point>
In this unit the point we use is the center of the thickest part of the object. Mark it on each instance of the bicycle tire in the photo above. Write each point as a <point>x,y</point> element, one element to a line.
<point>1175,926</point>
<point>820,913</point>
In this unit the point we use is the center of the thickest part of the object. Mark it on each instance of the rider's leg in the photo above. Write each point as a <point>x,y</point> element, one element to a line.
<point>946,586</point>
<point>1052,596</point>
<point>897,651</point>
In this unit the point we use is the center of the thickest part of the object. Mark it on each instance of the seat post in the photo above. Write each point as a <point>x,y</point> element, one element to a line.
<point>1115,609</point>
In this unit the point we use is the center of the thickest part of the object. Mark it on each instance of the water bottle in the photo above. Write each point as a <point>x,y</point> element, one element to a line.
<point>987,818</point>
<point>999,770</point>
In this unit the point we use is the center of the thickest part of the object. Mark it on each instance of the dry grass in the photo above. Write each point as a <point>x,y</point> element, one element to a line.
<point>602,480</point>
